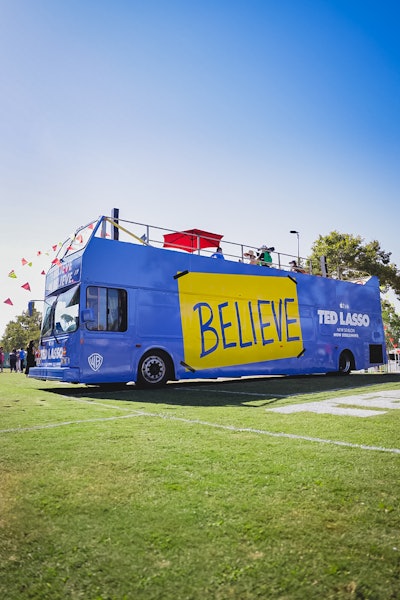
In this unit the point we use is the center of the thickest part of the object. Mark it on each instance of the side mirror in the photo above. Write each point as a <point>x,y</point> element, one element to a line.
<point>87,315</point>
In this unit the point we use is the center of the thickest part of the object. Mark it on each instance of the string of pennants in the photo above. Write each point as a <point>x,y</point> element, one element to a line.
<point>30,263</point>
<point>77,241</point>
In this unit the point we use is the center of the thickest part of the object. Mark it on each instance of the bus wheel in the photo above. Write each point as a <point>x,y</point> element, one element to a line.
<point>153,369</point>
<point>345,363</point>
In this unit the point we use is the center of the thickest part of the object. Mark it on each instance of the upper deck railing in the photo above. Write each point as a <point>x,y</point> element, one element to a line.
<point>151,235</point>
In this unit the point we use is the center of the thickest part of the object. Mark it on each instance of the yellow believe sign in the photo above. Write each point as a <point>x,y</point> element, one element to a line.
<point>238,319</point>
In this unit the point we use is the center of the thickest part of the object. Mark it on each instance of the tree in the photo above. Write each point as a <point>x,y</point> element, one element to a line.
<point>18,333</point>
<point>348,257</point>
<point>391,322</point>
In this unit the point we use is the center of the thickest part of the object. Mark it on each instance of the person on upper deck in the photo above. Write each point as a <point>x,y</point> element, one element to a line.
<point>251,257</point>
<point>294,267</point>
<point>218,253</point>
<point>264,257</point>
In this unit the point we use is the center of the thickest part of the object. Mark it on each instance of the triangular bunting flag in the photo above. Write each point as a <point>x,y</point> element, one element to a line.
<point>24,262</point>
<point>12,274</point>
<point>43,272</point>
<point>54,247</point>
<point>26,286</point>
<point>39,252</point>
<point>8,301</point>
<point>56,261</point>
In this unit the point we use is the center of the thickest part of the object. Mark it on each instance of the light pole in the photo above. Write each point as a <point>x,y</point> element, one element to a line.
<point>298,244</point>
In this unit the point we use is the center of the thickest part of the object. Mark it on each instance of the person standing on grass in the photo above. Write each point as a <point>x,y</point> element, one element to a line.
<point>30,356</point>
<point>22,359</point>
<point>13,360</point>
<point>18,366</point>
<point>1,359</point>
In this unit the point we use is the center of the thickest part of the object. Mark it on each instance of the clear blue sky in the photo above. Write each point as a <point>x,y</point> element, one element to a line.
<point>243,117</point>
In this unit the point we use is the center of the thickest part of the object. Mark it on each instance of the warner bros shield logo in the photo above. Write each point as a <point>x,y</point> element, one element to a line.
<point>95,361</point>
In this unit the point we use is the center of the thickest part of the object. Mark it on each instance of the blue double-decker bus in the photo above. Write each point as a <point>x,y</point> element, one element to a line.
<point>122,305</point>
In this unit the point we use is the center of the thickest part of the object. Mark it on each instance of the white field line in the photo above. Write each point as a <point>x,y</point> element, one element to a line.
<point>204,389</point>
<point>64,424</point>
<point>142,413</point>
<point>260,395</point>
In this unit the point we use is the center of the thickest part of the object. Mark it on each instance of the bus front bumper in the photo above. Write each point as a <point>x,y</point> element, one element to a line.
<point>67,374</point>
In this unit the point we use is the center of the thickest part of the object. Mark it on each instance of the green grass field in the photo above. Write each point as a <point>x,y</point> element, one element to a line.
<point>199,491</point>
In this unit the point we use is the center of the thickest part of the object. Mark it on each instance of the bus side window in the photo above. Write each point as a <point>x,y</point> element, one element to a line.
<point>93,303</point>
<point>116,307</point>
<point>109,308</point>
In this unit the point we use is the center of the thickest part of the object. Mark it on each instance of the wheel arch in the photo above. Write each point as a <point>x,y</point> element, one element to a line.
<point>154,353</point>
<point>346,362</point>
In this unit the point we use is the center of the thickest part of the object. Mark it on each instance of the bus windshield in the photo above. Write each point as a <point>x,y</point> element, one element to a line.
<point>61,314</point>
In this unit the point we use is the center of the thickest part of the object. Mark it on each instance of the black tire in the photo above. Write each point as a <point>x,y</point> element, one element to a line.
<point>154,369</point>
<point>345,363</point>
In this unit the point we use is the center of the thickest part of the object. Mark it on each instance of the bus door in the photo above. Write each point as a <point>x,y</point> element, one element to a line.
<point>106,353</point>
